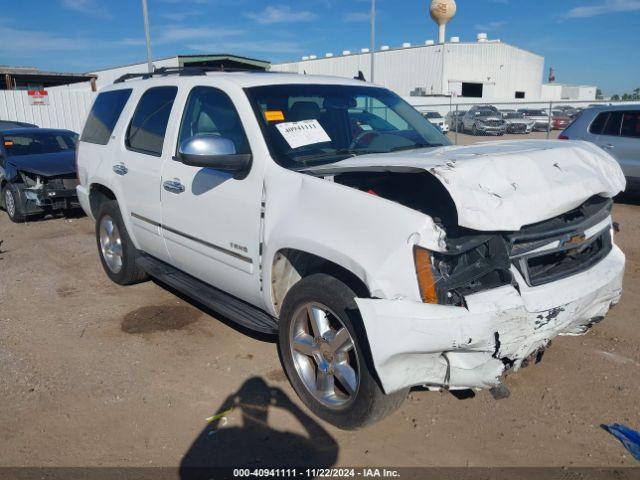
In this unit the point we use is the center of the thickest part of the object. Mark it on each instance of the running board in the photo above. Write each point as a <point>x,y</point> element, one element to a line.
<point>231,307</point>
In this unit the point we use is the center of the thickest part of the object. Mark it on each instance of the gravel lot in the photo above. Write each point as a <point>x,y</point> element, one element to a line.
<point>96,374</point>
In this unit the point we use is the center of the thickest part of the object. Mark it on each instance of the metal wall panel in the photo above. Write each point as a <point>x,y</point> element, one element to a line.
<point>66,109</point>
<point>501,68</point>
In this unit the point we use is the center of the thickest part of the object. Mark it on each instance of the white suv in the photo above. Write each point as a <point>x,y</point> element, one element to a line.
<point>330,212</point>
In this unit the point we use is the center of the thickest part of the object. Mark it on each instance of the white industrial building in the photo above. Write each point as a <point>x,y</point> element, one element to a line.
<point>487,70</point>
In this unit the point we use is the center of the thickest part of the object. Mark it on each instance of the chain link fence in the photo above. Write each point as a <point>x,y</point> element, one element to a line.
<point>464,122</point>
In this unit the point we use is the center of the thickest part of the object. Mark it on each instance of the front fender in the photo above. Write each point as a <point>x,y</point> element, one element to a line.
<point>371,237</point>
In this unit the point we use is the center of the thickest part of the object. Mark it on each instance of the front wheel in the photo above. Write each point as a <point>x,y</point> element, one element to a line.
<point>325,354</point>
<point>13,204</point>
<point>117,253</point>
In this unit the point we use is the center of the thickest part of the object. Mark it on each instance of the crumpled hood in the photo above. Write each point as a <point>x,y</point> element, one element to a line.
<point>46,164</point>
<point>505,185</point>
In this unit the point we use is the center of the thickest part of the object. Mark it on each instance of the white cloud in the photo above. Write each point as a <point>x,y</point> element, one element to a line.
<point>487,27</point>
<point>604,7</point>
<point>281,14</point>
<point>180,16</point>
<point>356,17</point>
<point>173,33</point>
<point>88,7</point>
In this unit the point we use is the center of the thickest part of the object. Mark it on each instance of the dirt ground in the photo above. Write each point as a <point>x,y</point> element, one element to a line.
<point>93,374</point>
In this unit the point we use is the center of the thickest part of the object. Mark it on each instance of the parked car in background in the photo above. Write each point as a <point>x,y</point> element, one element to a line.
<point>540,119</point>
<point>560,121</point>
<point>484,120</point>
<point>7,124</point>
<point>568,110</point>
<point>454,119</point>
<point>615,129</point>
<point>436,119</point>
<point>37,171</point>
<point>517,122</point>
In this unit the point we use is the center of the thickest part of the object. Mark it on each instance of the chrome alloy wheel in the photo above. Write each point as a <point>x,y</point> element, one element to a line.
<point>9,203</point>
<point>324,355</point>
<point>111,244</point>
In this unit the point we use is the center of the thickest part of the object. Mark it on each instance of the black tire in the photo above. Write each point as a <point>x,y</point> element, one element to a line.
<point>474,130</point>
<point>129,273</point>
<point>369,403</point>
<point>16,212</point>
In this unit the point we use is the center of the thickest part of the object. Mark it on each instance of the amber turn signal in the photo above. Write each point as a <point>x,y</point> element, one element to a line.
<point>426,282</point>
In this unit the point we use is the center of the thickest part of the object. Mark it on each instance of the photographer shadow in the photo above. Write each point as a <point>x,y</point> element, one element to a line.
<point>255,444</point>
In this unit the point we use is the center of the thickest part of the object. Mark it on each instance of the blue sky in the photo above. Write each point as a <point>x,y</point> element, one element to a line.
<point>586,41</point>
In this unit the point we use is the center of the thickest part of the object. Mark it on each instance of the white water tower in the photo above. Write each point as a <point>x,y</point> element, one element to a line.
<point>442,11</point>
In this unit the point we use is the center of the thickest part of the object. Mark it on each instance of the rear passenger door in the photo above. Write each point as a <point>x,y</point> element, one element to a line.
<point>139,167</point>
<point>620,136</point>
<point>629,143</point>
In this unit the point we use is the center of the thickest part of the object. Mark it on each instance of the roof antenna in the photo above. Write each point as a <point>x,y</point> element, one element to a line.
<point>360,76</point>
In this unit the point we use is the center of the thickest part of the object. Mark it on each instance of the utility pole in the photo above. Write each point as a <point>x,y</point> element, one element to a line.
<point>373,38</point>
<point>147,34</point>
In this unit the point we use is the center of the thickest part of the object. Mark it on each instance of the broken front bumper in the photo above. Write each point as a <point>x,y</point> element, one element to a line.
<point>47,199</point>
<point>415,343</point>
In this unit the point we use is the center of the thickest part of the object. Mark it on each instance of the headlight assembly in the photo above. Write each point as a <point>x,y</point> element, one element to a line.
<point>469,267</point>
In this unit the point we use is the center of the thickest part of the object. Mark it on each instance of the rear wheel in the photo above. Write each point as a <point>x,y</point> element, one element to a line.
<point>13,203</point>
<point>117,253</point>
<point>325,354</point>
<point>474,129</point>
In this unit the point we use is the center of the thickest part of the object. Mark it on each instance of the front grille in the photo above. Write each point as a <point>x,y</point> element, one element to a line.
<point>558,248</point>
<point>518,127</point>
<point>570,258</point>
<point>493,123</point>
<point>61,183</point>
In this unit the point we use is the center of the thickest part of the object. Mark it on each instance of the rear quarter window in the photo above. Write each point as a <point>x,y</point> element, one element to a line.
<point>104,115</point>
<point>631,124</point>
<point>149,123</point>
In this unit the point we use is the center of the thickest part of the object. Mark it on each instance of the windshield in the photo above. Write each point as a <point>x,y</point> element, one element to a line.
<point>308,125</point>
<point>485,111</point>
<point>513,115</point>
<point>432,115</point>
<point>39,143</point>
<point>536,113</point>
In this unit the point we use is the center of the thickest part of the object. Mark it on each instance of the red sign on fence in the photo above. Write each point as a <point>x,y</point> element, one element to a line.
<point>38,97</point>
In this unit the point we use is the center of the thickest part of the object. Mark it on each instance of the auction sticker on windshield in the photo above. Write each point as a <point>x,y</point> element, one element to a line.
<point>305,132</point>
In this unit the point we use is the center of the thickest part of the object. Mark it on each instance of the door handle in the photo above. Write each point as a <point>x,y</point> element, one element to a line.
<point>120,169</point>
<point>173,186</point>
<point>608,146</point>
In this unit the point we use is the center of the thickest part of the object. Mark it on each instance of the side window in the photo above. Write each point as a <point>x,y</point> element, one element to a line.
<point>149,123</point>
<point>211,111</point>
<point>377,115</point>
<point>614,122</point>
<point>631,124</point>
<point>104,115</point>
<point>597,126</point>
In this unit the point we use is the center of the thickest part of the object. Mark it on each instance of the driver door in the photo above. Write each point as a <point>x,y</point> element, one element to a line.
<point>211,220</point>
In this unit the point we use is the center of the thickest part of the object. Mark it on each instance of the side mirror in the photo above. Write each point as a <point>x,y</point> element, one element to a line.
<point>211,151</point>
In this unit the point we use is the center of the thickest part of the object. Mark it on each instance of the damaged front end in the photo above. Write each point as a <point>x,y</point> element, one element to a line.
<point>527,254</point>
<point>492,300</point>
<point>47,193</point>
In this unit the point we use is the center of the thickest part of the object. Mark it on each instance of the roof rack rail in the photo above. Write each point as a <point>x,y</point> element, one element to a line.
<point>183,72</point>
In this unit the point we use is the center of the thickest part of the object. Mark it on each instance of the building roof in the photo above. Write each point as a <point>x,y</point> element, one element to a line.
<point>202,57</point>
<point>34,72</point>
<point>412,47</point>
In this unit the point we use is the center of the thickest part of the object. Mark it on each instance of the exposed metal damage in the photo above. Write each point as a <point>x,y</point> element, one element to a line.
<point>527,254</point>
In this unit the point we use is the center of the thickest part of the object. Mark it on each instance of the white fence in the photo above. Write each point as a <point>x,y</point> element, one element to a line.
<point>63,109</point>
